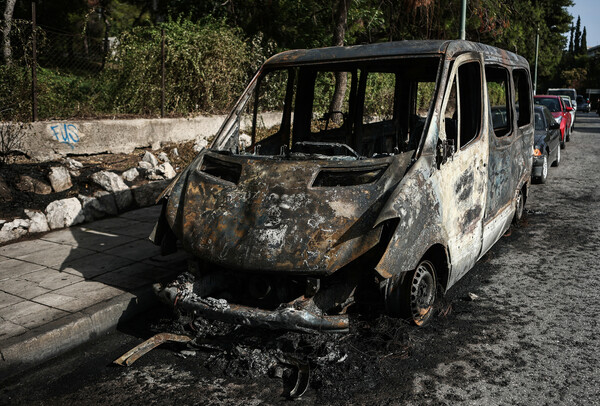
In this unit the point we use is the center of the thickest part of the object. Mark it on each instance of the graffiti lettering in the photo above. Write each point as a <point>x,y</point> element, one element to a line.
<point>66,134</point>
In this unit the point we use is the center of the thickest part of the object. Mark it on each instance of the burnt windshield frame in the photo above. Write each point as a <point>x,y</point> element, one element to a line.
<point>407,73</point>
<point>225,141</point>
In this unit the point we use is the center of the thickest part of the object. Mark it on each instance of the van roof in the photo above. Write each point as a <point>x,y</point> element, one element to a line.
<point>450,49</point>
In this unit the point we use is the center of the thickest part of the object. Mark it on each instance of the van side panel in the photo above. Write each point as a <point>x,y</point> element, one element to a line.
<point>416,203</point>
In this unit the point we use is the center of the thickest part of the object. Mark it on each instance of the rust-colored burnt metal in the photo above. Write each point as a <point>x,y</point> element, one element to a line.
<point>290,229</point>
<point>138,351</point>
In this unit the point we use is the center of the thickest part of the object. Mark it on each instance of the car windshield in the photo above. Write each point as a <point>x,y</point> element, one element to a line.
<point>539,121</point>
<point>552,103</point>
<point>346,110</point>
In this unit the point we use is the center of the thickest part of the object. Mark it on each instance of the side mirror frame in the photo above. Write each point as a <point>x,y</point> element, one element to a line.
<point>569,108</point>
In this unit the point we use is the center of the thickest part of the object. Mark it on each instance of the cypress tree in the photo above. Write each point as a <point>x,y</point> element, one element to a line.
<point>571,40</point>
<point>583,42</point>
<point>577,44</point>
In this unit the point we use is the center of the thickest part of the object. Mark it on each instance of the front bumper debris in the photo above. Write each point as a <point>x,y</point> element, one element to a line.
<point>301,315</point>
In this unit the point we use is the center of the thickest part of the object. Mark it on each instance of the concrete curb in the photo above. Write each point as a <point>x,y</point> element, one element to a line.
<point>41,344</point>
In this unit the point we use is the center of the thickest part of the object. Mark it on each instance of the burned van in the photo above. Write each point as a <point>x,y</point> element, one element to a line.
<point>344,171</point>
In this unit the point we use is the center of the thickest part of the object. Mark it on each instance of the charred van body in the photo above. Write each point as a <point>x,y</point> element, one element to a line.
<point>396,165</point>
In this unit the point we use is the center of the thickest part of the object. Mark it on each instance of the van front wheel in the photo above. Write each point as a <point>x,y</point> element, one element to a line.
<point>414,297</point>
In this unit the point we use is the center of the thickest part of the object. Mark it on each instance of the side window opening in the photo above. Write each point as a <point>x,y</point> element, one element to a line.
<point>469,75</point>
<point>522,96</point>
<point>498,87</point>
<point>462,118</point>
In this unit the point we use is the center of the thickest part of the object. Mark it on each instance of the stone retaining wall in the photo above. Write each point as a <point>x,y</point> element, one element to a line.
<point>51,140</point>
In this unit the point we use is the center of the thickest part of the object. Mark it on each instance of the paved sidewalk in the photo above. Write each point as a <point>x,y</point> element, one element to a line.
<point>68,286</point>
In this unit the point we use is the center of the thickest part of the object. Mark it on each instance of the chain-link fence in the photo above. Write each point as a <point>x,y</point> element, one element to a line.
<point>175,69</point>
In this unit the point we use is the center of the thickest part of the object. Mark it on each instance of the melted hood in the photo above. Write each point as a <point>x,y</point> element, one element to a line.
<point>273,214</point>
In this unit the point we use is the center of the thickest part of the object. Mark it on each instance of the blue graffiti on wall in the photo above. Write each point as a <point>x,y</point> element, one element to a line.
<point>66,134</point>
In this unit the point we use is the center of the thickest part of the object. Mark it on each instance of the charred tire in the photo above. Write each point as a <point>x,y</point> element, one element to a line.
<point>562,144</point>
<point>557,160</point>
<point>414,297</point>
<point>568,137</point>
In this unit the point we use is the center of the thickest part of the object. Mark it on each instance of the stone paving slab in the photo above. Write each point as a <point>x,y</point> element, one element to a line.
<point>13,268</point>
<point>69,285</point>
<point>83,237</point>
<point>95,264</point>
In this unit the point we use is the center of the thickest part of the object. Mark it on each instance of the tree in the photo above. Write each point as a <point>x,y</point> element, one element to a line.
<point>340,14</point>
<point>8,16</point>
<point>583,48</point>
<point>577,45</point>
<point>571,40</point>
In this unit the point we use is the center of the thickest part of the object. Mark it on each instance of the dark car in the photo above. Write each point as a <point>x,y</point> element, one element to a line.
<point>583,104</point>
<point>560,112</point>
<point>546,145</point>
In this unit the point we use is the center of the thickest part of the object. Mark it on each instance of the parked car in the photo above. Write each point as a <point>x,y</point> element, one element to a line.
<point>559,112</point>
<point>572,93</point>
<point>396,192</point>
<point>567,103</point>
<point>546,144</point>
<point>583,104</point>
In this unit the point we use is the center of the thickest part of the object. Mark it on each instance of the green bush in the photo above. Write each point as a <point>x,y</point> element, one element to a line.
<point>207,66</point>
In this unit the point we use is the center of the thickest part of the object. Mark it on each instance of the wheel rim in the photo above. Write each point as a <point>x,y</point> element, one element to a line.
<point>422,293</point>
<point>545,167</point>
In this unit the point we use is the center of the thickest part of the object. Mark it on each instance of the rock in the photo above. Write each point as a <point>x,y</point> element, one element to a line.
<point>472,297</point>
<point>166,170</point>
<point>72,164</point>
<point>107,202</point>
<point>200,144</point>
<point>28,184</point>
<point>145,166</point>
<point>16,223</point>
<point>64,213</point>
<point>6,236</point>
<point>155,145</point>
<point>153,175</point>
<point>39,224</point>
<point>60,179</point>
<point>130,175</point>
<point>163,157</point>
<point>109,181</point>
<point>146,195</point>
<point>100,205</point>
<point>124,199</point>
<point>13,230</point>
<point>150,158</point>
<point>175,152</point>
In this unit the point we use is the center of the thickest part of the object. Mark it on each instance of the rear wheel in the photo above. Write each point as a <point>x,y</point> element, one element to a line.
<point>544,176</point>
<point>557,160</point>
<point>519,207</point>
<point>414,297</point>
<point>568,135</point>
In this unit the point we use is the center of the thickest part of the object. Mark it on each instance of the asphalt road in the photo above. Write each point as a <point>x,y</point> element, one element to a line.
<point>531,336</point>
